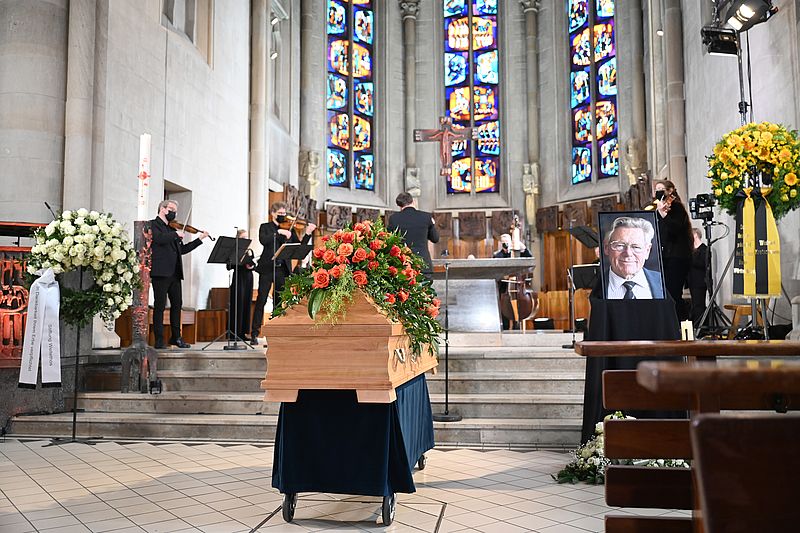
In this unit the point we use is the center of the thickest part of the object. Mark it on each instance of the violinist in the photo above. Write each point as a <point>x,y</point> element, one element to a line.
<point>675,231</point>
<point>241,292</point>
<point>502,253</point>
<point>166,272</point>
<point>272,235</point>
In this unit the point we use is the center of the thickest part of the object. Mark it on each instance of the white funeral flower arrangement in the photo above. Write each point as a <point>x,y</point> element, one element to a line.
<point>589,461</point>
<point>101,246</point>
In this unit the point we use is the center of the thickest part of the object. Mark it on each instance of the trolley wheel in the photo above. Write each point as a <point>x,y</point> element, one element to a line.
<point>388,509</point>
<point>423,462</point>
<point>289,505</point>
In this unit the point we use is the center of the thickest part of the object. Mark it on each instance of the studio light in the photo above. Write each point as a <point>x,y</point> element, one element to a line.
<point>744,14</point>
<point>720,41</point>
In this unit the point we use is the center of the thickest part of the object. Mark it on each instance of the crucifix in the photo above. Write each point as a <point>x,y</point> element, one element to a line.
<point>446,135</point>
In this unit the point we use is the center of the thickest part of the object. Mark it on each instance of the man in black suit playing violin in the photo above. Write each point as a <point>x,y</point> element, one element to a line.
<point>166,272</point>
<point>272,235</point>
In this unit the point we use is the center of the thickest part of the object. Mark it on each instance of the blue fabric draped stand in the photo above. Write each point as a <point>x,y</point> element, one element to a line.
<point>328,442</point>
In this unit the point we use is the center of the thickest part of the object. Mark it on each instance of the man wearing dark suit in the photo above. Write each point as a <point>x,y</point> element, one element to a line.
<point>271,237</point>
<point>627,246</point>
<point>417,226</point>
<point>166,272</point>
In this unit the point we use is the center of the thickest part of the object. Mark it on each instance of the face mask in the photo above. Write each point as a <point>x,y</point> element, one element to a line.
<point>280,218</point>
<point>170,216</point>
<point>505,246</point>
<point>659,195</point>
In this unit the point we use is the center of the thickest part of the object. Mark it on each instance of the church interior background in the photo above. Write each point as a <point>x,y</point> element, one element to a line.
<point>579,106</point>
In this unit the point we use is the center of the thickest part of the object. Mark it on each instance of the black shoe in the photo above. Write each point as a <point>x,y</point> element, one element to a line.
<point>180,343</point>
<point>160,346</point>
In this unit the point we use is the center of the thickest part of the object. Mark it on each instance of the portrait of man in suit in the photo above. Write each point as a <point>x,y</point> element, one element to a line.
<point>629,271</point>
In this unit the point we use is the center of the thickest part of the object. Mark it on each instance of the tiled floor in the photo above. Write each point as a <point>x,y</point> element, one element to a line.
<point>216,488</point>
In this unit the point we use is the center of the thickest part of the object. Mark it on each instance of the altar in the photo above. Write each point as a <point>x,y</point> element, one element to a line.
<point>472,292</point>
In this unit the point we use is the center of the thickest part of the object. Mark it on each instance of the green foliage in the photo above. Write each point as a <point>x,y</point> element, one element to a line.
<point>79,307</point>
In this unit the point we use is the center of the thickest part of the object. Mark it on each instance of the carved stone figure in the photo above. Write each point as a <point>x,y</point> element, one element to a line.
<point>309,167</point>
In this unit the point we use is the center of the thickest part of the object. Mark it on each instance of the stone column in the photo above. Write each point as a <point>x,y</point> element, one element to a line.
<point>78,120</point>
<point>530,176</point>
<point>258,115</point>
<point>312,100</point>
<point>409,10</point>
<point>636,146</point>
<point>676,109</point>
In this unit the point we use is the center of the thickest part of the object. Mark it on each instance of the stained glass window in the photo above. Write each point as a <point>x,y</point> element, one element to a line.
<point>350,154</point>
<point>472,92</point>
<point>593,89</point>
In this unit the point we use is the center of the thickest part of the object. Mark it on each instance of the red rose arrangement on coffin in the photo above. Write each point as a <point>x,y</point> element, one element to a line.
<point>367,353</point>
<point>362,317</point>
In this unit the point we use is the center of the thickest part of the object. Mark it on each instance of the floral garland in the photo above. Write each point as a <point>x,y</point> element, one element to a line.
<point>367,257</point>
<point>96,242</point>
<point>764,148</point>
<point>590,462</point>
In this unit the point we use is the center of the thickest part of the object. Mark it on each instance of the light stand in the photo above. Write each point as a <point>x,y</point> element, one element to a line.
<point>57,441</point>
<point>447,416</point>
<point>718,321</point>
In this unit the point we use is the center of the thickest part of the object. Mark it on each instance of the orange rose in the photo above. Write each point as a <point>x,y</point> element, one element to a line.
<point>395,251</point>
<point>337,271</point>
<point>359,255</point>
<point>433,312</point>
<point>372,265</point>
<point>319,252</point>
<point>392,271</point>
<point>325,238</point>
<point>321,279</point>
<point>361,227</point>
<point>403,295</point>
<point>372,254</point>
<point>390,298</point>
<point>342,260</point>
<point>348,236</point>
<point>329,256</point>
<point>345,249</point>
<point>437,302</point>
<point>409,272</point>
<point>360,277</point>
<point>376,244</point>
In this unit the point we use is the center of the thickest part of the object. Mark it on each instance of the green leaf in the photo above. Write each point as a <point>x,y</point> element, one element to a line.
<point>315,300</point>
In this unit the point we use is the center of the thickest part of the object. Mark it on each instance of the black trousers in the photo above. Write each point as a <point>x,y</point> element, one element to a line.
<point>163,287</point>
<point>242,298</point>
<point>676,269</point>
<point>698,303</point>
<point>264,284</point>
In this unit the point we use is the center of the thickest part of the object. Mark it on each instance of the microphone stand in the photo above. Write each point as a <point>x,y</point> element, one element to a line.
<point>447,416</point>
<point>571,281</point>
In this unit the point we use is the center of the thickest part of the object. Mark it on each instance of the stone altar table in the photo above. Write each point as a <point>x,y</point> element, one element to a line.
<point>472,290</point>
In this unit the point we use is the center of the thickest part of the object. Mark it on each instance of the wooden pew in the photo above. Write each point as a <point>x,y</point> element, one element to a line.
<point>665,488</point>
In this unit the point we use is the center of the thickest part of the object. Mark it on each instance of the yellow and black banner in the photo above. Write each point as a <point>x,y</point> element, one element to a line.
<point>757,264</point>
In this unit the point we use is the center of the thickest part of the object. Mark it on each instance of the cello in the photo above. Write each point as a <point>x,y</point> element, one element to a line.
<point>518,303</point>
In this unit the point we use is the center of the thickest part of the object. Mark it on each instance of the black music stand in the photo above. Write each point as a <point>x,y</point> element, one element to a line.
<point>586,236</point>
<point>292,250</point>
<point>589,238</point>
<point>585,276</point>
<point>227,252</point>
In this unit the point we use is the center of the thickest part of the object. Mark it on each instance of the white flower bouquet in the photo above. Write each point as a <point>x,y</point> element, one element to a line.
<point>95,242</point>
<point>589,464</point>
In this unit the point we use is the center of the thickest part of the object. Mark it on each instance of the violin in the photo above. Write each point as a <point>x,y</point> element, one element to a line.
<point>187,228</point>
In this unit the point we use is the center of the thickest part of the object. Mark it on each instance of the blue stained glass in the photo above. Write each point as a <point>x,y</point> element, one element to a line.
<point>485,103</point>
<point>580,87</point>
<point>362,62</point>
<point>337,168</point>
<point>578,14</point>
<point>460,176</point>
<point>486,67</point>
<point>489,138</point>
<point>363,26</point>
<point>457,102</point>
<point>607,77</point>
<point>484,7</point>
<point>581,49</point>
<point>609,158</point>
<point>455,68</point>
<point>606,118</point>
<point>484,32</point>
<point>338,56</point>
<point>605,8</point>
<point>453,8</point>
<point>339,130</point>
<point>486,171</point>
<point>337,92</point>
<point>362,133</point>
<point>457,34</point>
<point>364,97</point>
<point>582,124</point>
<point>581,164</point>
<point>364,172</point>
<point>337,20</point>
<point>458,148</point>
<point>603,40</point>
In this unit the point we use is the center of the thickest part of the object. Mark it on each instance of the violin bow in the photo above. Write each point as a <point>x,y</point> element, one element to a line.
<point>186,220</point>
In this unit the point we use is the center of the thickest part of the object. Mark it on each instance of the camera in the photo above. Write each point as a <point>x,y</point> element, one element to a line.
<point>701,207</point>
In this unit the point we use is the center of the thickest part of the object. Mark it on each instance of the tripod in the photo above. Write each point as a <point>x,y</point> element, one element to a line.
<point>718,322</point>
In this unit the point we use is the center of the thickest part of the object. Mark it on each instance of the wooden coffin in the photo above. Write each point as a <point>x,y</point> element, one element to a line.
<point>366,352</point>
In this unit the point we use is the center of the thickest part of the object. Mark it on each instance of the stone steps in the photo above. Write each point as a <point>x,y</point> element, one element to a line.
<point>228,427</point>
<point>512,390</point>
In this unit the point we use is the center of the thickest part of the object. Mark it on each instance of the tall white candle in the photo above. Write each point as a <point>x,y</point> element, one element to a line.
<point>144,177</point>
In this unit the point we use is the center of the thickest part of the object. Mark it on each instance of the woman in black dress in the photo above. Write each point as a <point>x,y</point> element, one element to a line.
<point>241,292</point>
<point>675,231</point>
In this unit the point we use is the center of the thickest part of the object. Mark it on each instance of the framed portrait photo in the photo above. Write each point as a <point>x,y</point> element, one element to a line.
<point>630,256</point>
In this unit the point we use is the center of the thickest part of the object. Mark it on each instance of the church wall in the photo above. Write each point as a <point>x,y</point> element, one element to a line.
<point>711,110</point>
<point>197,114</point>
<point>33,43</point>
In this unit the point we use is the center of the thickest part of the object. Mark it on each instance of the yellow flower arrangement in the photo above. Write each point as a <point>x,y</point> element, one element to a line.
<point>766,148</point>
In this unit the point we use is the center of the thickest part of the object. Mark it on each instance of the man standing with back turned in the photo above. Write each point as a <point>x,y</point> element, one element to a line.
<point>418,227</point>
